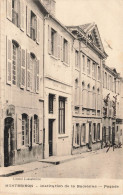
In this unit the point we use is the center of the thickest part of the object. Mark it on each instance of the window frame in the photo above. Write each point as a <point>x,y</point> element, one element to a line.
<point>62,109</point>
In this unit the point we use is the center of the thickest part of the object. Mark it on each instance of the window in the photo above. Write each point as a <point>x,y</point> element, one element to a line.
<point>88,67</point>
<point>32,73</point>
<point>76,58</point>
<point>61,115</point>
<point>65,51</point>
<point>83,63</point>
<point>104,134</point>
<point>93,98</point>
<point>93,70</point>
<point>15,12</point>
<point>105,80</point>
<point>99,73</point>
<point>76,93</point>
<point>77,135</point>
<point>36,129</point>
<point>53,42</point>
<point>14,64</point>
<point>25,130</point>
<point>83,134</point>
<point>98,131</point>
<point>33,26</point>
<point>51,97</point>
<point>94,132</point>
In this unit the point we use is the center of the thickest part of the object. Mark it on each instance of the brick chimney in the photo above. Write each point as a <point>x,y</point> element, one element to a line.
<point>50,5</point>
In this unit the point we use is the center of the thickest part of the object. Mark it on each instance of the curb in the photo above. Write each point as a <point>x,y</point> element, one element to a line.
<point>12,173</point>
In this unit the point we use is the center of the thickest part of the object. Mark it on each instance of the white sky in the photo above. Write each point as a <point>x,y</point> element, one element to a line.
<point>107,14</point>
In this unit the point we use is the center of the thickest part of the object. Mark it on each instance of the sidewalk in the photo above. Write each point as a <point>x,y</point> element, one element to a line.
<point>43,163</point>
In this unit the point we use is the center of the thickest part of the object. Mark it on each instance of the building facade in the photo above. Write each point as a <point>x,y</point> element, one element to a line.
<point>57,86</point>
<point>112,101</point>
<point>87,89</point>
<point>21,81</point>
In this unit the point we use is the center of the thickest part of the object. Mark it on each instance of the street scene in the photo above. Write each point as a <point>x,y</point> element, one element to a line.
<point>99,164</point>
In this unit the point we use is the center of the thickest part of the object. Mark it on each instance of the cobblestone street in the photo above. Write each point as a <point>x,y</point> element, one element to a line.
<point>97,165</point>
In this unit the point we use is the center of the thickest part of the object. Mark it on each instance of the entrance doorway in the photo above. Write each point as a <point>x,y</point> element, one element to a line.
<point>50,137</point>
<point>8,141</point>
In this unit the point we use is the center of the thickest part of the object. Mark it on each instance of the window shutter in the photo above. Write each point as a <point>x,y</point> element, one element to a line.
<point>18,66</point>
<point>19,131</point>
<point>37,136</point>
<point>9,62</point>
<point>38,29</point>
<point>56,45</point>
<point>22,15</point>
<point>61,48</point>
<point>69,53</point>
<point>49,40</point>
<point>40,129</point>
<point>28,132</point>
<point>28,17</point>
<point>28,71</point>
<point>9,9</point>
<point>31,73</point>
<point>37,76</point>
<point>87,133</point>
<point>100,131</point>
<point>23,66</point>
<point>84,98</point>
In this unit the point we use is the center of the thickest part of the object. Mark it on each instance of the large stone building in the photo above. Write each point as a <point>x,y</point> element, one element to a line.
<point>87,88</point>
<point>21,81</point>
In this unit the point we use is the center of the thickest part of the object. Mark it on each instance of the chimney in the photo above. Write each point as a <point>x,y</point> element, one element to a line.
<point>50,6</point>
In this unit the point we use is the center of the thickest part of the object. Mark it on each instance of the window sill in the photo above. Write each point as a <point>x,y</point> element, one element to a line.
<point>52,56</point>
<point>62,136</point>
<point>78,69</point>
<point>76,146</point>
<point>66,64</point>
<point>83,144</point>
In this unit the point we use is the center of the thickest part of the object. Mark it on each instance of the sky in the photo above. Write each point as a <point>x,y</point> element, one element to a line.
<point>107,14</point>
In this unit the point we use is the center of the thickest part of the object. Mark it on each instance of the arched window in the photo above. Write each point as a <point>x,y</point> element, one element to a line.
<point>36,129</point>
<point>93,98</point>
<point>25,130</point>
<point>32,73</point>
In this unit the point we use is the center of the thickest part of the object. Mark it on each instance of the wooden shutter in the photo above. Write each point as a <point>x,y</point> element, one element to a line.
<point>49,40</point>
<point>40,129</point>
<point>100,131</point>
<point>58,46</point>
<point>18,66</point>
<point>9,62</point>
<point>28,17</point>
<point>27,133</point>
<point>69,53</point>
<point>62,49</point>
<point>87,133</point>
<point>38,30</point>
<point>37,76</point>
<point>37,135</point>
<point>23,68</point>
<point>22,15</point>
<point>9,9</point>
<point>28,72</point>
<point>19,131</point>
<point>31,73</point>
<point>55,44</point>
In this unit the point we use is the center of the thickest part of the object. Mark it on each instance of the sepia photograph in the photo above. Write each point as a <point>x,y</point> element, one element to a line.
<point>61,97</point>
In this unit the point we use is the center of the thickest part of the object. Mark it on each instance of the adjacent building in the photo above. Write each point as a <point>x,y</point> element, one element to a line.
<point>87,88</point>
<point>21,81</point>
<point>112,116</point>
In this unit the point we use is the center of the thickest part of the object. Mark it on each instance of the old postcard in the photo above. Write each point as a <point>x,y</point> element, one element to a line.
<point>61,97</point>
